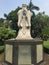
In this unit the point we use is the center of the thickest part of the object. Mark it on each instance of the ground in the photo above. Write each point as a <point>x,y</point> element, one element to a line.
<point>1,58</point>
<point>46,58</point>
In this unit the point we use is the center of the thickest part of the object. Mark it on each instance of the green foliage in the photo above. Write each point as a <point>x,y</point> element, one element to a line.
<point>45,33</point>
<point>32,7</point>
<point>1,49</point>
<point>14,17</point>
<point>43,19</point>
<point>1,22</point>
<point>36,28</point>
<point>1,19</point>
<point>41,25</point>
<point>7,23</point>
<point>7,33</point>
<point>46,44</point>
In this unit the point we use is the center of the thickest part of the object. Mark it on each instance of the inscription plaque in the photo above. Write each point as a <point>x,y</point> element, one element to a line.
<point>24,56</point>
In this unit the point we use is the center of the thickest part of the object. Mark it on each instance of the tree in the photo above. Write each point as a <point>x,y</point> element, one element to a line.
<point>14,17</point>
<point>36,28</point>
<point>5,15</point>
<point>7,23</point>
<point>32,7</point>
<point>33,19</point>
<point>45,33</point>
<point>1,22</point>
<point>43,20</point>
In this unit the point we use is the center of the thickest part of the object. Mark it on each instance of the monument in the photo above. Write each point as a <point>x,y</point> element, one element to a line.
<point>24,50</point>
<point>24,18</point>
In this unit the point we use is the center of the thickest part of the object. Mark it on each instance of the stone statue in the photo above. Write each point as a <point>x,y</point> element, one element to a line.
<point>24,21</point>
<point>24,16</point>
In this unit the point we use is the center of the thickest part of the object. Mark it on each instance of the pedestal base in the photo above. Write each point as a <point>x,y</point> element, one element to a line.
<point>42,63</point>
<point>5,63</point>
<point>24,52</point>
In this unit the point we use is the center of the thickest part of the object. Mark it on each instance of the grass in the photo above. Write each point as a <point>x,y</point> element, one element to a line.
<point>46,44</point>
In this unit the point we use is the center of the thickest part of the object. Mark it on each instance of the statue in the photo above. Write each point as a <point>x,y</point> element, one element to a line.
<point>24,18</point>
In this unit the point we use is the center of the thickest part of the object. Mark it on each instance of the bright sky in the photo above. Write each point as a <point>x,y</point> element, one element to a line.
<point>7,5</point>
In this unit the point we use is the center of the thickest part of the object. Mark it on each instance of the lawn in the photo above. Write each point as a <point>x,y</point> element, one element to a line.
<point>46,44</point>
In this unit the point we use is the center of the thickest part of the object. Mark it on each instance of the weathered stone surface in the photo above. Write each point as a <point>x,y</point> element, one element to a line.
<point>24,21</point>
<point>8,53</point>
<point>39,53</point>
<point>24,34</point>
<point>24,16</point>
<point>24,55</point>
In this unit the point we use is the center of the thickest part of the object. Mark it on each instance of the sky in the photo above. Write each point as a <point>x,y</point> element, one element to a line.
<point>7,6</point>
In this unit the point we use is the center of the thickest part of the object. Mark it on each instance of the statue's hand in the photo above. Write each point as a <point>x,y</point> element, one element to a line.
<point>18,24</point>
<point>29,24</point>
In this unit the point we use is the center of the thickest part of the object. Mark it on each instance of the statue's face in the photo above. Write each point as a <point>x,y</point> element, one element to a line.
<point>24,6</point>
<point>24,12</point>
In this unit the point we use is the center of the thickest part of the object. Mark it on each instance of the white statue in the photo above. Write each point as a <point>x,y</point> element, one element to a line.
<point>24,21</point>
<point>24,16</point>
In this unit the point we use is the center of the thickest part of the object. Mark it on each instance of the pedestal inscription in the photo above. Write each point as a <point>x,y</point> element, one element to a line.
<point>8,53</point>
<point>39,53</point>
<point>24,56</point>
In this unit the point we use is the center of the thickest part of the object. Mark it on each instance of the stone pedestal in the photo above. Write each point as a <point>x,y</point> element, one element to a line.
<point>23,52</point>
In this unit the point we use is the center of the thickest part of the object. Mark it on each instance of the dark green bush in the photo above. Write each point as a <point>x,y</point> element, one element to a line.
<point>46,50</point>
<point>7,33</point>
<point>1,49</point>
<point>44,37</point>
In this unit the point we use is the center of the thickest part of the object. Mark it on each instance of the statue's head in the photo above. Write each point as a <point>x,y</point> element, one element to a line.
<point>24,5</point>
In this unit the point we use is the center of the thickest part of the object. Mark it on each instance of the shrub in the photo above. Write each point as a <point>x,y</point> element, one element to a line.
<point>46,46</point>
<point>1,49</point>
<point>7,33</point>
